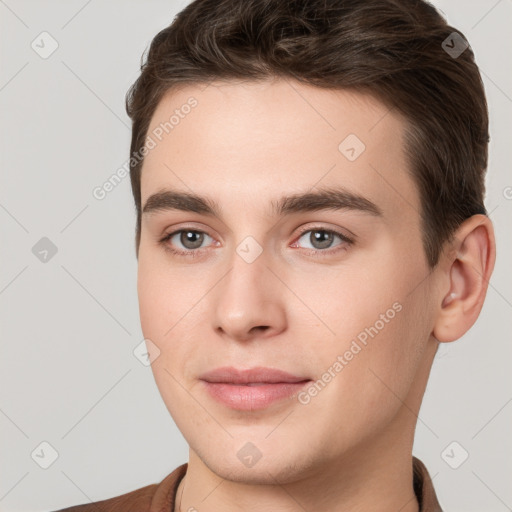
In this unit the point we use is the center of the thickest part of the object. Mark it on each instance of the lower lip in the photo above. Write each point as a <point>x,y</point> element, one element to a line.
<point>250,398</point>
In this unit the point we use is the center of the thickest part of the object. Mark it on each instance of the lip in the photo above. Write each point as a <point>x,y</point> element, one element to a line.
<point>251,389</point>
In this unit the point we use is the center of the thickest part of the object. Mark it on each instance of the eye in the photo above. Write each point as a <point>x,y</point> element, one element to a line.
<point>189,242</point>
<point>321,239</point>
<point>190,239</point>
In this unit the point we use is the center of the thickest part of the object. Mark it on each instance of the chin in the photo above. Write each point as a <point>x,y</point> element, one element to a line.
<point>269,469</point>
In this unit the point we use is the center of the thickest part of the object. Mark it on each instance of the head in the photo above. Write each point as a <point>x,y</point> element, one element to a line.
<point>259,124</point>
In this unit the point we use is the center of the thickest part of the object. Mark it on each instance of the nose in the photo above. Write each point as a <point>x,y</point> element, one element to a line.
<point>249,300</point>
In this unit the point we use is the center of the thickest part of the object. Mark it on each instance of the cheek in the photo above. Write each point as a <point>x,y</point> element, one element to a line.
<point>391,355</point>
<point>165,315</point>
<point>172,316</point>
<point>380,332</point>
<point>373,384</point>
<point>164,296</point>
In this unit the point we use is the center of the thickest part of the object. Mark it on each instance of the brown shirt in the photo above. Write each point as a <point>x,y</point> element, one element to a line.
<point>160,497</point>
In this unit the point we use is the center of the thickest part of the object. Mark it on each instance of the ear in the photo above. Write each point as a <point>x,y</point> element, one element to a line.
<point>468,268</point>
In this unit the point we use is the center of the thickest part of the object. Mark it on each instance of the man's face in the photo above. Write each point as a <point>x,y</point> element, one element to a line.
<point>338,297</point>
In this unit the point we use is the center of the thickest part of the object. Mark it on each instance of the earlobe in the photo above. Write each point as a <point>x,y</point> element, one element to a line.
<point>469,270</point>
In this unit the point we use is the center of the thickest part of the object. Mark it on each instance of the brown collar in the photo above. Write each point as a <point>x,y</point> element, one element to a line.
<point>165,495</point>
<point>423,488</point>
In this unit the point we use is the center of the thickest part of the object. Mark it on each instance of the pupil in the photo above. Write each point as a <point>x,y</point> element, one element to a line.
<point>189,238</point>
<point>323,238</point>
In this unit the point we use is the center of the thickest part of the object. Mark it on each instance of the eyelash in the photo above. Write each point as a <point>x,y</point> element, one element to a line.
<point>193,253</point>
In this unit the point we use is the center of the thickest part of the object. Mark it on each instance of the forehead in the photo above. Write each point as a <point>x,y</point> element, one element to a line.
<point>244,140</point>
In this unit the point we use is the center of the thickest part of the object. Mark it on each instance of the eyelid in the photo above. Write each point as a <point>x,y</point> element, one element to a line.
<point>179,229</point>
<point>351,237</point>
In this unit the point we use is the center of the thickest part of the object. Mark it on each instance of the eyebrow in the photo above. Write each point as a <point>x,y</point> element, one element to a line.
<point>323,199</point>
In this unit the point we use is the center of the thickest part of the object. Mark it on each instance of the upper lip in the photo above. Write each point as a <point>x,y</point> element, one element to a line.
<point>260,374</point>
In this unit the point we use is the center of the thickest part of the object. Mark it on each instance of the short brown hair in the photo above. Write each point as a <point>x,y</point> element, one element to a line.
<point>396,50</point>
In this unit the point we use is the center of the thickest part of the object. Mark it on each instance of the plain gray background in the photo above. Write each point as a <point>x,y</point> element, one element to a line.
<point>69,325</point>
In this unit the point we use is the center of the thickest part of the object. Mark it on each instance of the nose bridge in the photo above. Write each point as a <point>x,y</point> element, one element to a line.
<point>248,296</point>
<point>245,287</point>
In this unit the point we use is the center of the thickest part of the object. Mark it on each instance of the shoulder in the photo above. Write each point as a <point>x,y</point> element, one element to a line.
<point>145,499</point>
<point>136,501</point>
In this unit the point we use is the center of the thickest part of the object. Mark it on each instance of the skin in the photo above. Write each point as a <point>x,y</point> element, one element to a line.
<point>245,145</point>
